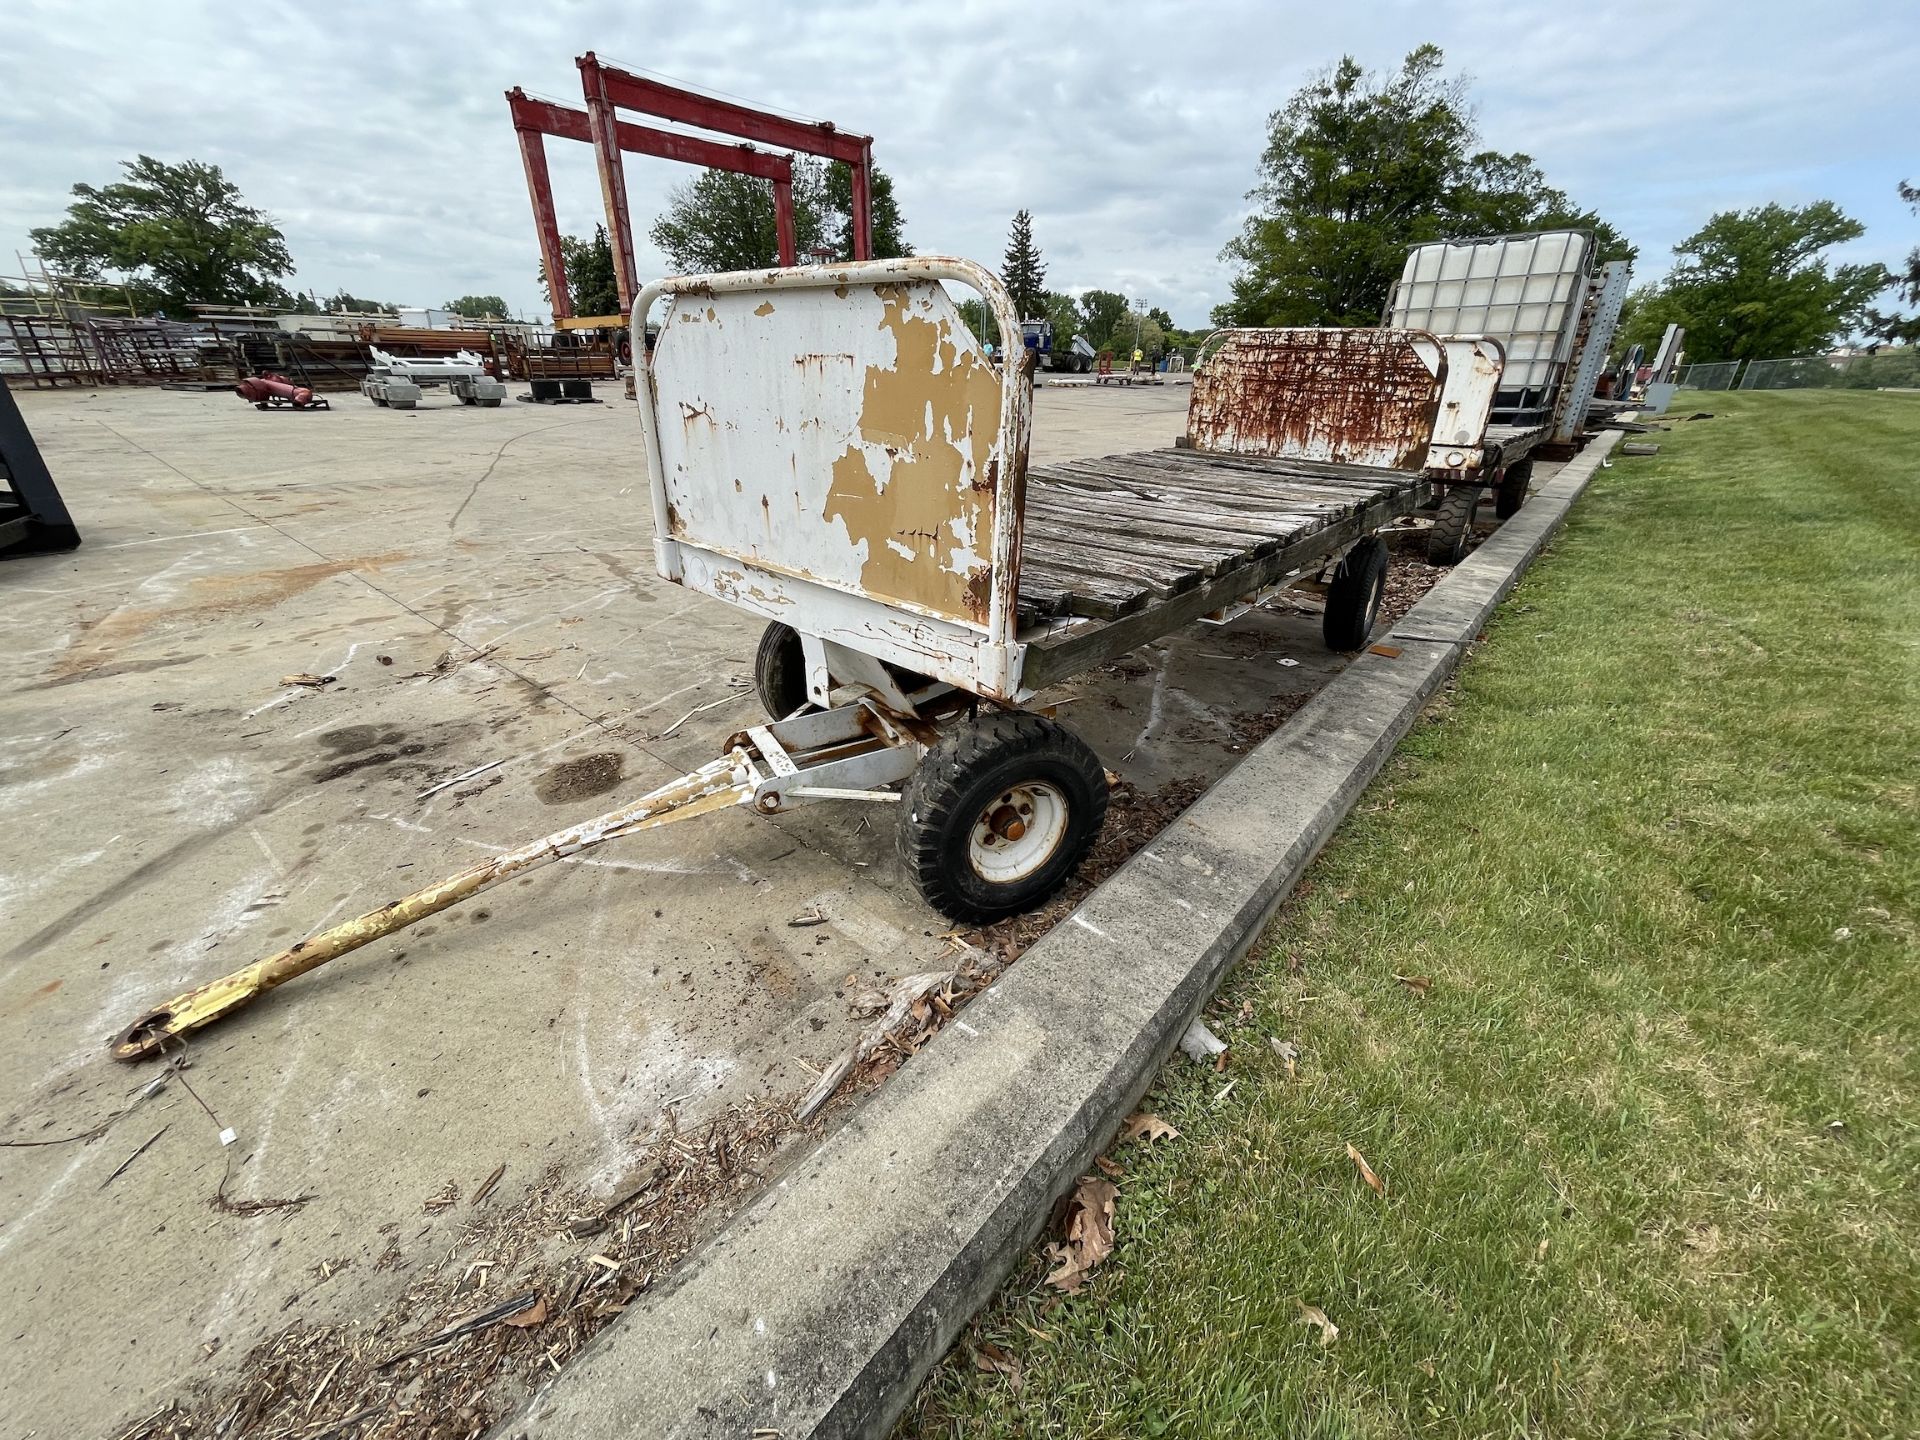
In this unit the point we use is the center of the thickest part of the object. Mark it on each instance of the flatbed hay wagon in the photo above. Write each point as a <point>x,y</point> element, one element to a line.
<point>833,451</point>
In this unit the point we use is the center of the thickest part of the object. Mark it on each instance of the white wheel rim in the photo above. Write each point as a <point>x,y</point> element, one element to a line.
<point>1017,832</point>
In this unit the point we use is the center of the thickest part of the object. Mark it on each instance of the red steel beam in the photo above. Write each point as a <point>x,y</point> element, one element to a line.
<point>565,123</point>
<point>626,91</point>
<point>651,97</point>
<point>533,119</point>
<point>533,156</point>
<point>602,126</point>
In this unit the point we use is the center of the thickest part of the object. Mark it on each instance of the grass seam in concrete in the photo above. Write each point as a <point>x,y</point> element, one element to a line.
<point>823,1305</point>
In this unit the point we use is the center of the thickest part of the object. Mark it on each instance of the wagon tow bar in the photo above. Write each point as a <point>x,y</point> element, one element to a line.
<point>728,781</point>
<point>852,751</point>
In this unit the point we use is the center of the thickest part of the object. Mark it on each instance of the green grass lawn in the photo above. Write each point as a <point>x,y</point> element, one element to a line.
<point>1651,1141</point>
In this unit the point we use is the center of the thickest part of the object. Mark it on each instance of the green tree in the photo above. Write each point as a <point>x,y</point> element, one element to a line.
<point>591,286</point>
<point>1064,312</point>
<point>722,221</point>
<point>1102,314</point>
<point>1023,270</point>
<point>355,305</point>
<point>478,307</point>
<point>1359,167</point>
<point>836,221</point>
<point>173,235</point>
<point>1902,329</point>
<point>1753,284</point>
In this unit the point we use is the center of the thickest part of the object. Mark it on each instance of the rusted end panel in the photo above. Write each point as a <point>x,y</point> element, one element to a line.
<point>1356,397</point>
<point>849,435</point>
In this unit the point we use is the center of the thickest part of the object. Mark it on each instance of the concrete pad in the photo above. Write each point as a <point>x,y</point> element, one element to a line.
<point>821,1307</point>
<point>170,810</point>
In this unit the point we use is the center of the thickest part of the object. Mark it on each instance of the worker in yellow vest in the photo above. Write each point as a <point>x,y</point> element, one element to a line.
<point>1137,358</point>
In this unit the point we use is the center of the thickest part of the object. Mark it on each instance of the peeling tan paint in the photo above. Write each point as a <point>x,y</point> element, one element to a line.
<point>906,486</point>
<point>765,307</point>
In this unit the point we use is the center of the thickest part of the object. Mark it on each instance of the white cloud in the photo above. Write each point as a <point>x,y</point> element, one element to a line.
<point>376,134</point>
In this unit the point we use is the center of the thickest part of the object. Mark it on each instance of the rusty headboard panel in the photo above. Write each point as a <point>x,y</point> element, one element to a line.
<point>1352,396</point>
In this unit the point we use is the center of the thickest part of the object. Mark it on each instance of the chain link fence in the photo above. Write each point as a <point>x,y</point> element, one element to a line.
<point>1716,376</point>
<point>1894,368</point>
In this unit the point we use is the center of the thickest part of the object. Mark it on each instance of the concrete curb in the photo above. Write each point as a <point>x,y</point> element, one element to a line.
<point>822,1307</point>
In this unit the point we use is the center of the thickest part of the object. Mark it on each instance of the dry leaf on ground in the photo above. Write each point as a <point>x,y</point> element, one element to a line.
<point>1418,984</point>
<point>1112,1169</point>
<point>995,1361</point>
<point>534,1314</point>
<point>1366,1170</point>
<point>1314,1315</point>
<point>1142,1125</point>
<point>1089,1233</point>
<point>1289,1054</point>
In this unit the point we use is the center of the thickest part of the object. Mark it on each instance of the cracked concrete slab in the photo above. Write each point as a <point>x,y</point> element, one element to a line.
<point>170,810</point>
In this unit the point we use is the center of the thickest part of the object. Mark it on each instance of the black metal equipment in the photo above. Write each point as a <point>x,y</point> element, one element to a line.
<point>33,517</point>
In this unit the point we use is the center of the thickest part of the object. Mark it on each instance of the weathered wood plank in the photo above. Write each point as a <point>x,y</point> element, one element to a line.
<point>1224,485</point>
<point>1098,597</point>
<point>1198,512</point>
<point>1042,529</point>
<point>1160,574</point>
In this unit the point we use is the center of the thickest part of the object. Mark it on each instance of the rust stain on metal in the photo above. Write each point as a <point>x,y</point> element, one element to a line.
<point>1349,396</point>
<point>909,484</point>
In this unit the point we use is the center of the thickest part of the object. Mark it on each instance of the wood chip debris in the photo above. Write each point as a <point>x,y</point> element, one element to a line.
<point>463,775</point>
<point>904,1025</point>
<point>309,681</point>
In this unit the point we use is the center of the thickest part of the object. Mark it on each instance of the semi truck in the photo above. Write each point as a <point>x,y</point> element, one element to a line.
<point>1075,359</point>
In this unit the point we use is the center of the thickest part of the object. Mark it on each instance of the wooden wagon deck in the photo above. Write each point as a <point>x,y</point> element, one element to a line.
<point>1105,538</point>
<point>1130,547</point>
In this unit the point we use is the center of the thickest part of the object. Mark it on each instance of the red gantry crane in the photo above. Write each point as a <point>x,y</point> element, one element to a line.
<point>609,90</point>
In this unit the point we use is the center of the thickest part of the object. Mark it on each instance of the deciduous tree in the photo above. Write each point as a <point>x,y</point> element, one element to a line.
<point>173,235</point>
<point>1904,329</point>
<point>1357,168</point>
<point>723,221</point>
<point>478,307</point>
<point>1102,313</point>
<point>1754,284</point>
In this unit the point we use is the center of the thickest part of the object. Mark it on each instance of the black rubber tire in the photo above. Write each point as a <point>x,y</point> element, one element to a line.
<point>959,778</point>
<point>1452,524</point>
<point>1511,493</point>
<point>780,670</point>
<point>1353,599</point>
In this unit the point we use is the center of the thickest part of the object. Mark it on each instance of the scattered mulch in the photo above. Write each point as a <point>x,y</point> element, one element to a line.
<point>551,1270</point>
<point>1408,580</point>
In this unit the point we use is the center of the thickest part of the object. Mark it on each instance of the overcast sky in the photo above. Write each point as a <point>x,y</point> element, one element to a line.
<point>377,137</point>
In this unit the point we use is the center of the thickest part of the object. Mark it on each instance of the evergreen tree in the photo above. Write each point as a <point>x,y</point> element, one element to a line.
<point>1023,271</point>
<point>591,286</point>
